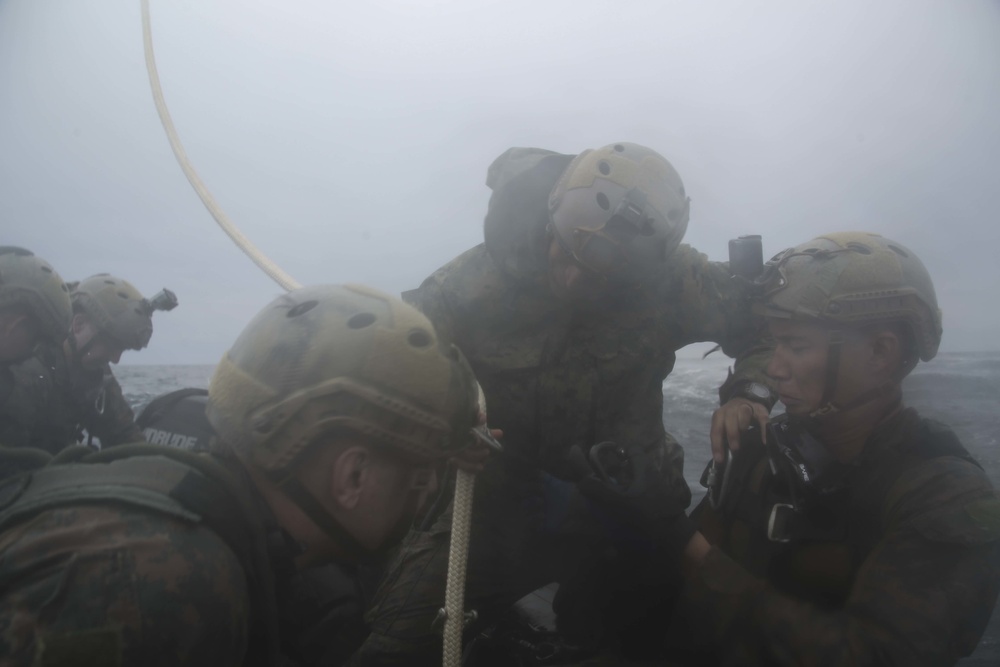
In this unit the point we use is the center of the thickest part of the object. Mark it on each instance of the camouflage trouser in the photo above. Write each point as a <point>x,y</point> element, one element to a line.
<point>528,529</point>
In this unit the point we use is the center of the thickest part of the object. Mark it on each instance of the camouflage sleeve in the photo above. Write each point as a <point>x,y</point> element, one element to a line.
<point>430,299</point>
<point>116,424</point>
<point>922,597</point>
<point>642,425</point>
<point>713,306</point>
<point>102,585</point>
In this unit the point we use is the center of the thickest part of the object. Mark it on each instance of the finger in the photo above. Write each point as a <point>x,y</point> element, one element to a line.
<point>717,436</point>
<point>763,418</point>
<point>736,422</point>
<point>496,433</point>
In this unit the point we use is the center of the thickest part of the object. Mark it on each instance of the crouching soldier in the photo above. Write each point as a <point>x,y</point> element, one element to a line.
<point>857,532</point>
<point>331,412</point>
<point>34,307</point>
<point>68,387</point>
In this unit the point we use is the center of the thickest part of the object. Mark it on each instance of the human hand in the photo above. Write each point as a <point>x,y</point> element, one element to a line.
<point>473,458</point>
<point>732,419</point>
<point>646,506</point>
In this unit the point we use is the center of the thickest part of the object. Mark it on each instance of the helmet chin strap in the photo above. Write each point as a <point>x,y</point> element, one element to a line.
<point>79,352</point>
<point>827,404</point>
<point>312,508</point>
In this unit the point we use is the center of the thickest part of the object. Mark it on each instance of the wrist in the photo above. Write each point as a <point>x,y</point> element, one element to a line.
<point>757,392</point>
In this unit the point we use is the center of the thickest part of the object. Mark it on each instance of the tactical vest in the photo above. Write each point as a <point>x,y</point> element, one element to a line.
<point>836,535</point>
<point>163,480</point>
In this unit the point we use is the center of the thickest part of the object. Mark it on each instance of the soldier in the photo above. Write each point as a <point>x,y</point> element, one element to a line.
<point>331,413</point>
<point>34,305</point>
<point>69,387</point>
<point>857,532</point>
<point>570,314</point>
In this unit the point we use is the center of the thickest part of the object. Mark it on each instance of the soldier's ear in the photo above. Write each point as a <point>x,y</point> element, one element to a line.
<point>349,476</point>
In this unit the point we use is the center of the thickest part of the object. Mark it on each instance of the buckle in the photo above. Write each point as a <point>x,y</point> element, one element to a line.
<point>778,522</point>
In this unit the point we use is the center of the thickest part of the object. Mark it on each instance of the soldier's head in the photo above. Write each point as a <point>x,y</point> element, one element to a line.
<point>615,216</point>
<point>34,304</point>
<point>851,314</point>
<point>341,402</point>
<point>109,317</point>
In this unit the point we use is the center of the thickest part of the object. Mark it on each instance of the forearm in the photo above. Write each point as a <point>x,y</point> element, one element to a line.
<point>888,619</point>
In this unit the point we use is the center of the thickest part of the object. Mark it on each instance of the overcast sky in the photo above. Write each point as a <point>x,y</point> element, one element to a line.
<point>350,140</point>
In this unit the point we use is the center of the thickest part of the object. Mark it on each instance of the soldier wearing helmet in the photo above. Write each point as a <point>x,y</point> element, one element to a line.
<point>34,304</point>
<point>570,314</point>
<point>68,387</point>
<point>331,412</point>
<point>856,532</point>
<point>34,307</point>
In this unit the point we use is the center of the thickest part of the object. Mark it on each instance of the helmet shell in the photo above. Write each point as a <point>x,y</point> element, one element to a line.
<point>28,280</point>
<point>620,210</point>
<point>326,357</point>
<point>116,308</point>
<point>853,278</point>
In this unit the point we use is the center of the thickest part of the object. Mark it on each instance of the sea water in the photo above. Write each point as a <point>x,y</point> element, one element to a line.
<point>959,389</point>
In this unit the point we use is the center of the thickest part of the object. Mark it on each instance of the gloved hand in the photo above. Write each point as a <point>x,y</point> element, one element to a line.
<point>645,507</point>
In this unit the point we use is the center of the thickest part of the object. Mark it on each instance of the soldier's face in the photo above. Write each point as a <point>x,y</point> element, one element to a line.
<point>798,365</point>
<point>98,348</point>
<point>569,280</point>
<point>395,492</point>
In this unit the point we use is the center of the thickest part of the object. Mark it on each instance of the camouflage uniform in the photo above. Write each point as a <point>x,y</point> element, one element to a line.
<point>558,378</point>
<point>54,400</point>
<point>149,582</point>
<point>902,567</point>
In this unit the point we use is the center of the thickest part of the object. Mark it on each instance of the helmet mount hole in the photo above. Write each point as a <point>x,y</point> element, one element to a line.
<point>419,338</point>
<point>619,148</point>
<point>602,201</point>
<point>123,295</point>
<point>361,320</point>
<point>301,308</point>
<point>899,251</point>
<point>860,248</point>
<point>604,167</point>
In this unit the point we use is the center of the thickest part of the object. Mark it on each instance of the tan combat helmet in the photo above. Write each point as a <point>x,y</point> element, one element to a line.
<point>29,281</point>
<point>620,211</point>
<point>852,279</point>
<point>333,358</point>
<point>116,308</point>
<point>327,357</point>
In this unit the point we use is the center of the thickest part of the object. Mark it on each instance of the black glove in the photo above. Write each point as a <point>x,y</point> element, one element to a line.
<point>644,508</point>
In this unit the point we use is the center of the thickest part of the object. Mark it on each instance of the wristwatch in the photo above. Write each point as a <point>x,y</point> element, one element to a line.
<point>755,391</point>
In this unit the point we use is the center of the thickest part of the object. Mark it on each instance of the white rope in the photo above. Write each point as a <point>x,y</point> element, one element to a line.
<point>245,244</point>
<point>454,593</point>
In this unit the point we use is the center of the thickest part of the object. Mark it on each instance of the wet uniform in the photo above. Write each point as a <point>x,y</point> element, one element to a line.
<point>558,379</point>
<point>53,401</point>
<point>901,567</point>
<point>156,579</point>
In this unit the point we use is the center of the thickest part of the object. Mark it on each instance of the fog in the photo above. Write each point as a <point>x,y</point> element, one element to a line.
<point>350,141</point>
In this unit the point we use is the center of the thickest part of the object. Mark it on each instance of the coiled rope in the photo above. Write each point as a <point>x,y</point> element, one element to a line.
<point>464,483</point>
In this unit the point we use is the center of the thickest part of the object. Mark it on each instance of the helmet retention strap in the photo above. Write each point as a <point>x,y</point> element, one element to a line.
<point>311,507</point>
